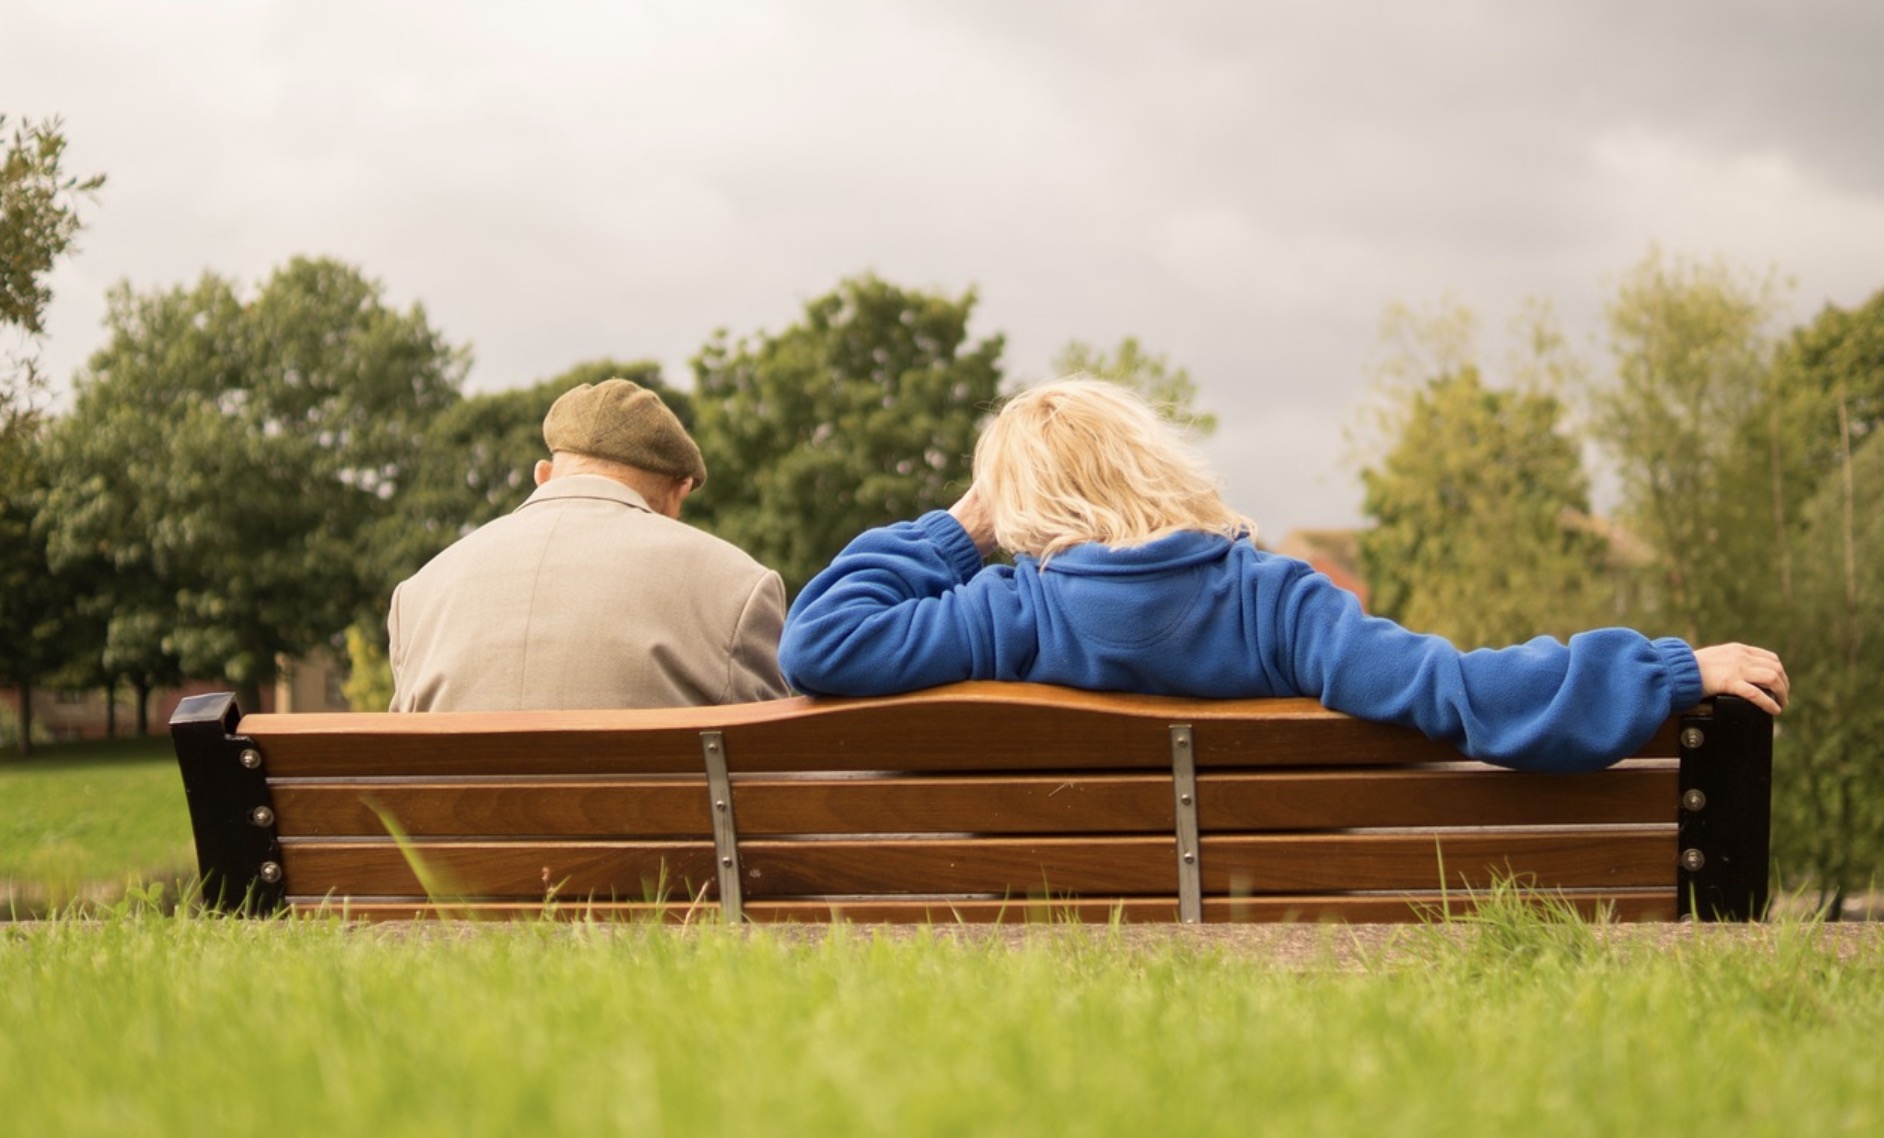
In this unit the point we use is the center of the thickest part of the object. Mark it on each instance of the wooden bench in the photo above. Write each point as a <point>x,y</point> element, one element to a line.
<point>975,802</point>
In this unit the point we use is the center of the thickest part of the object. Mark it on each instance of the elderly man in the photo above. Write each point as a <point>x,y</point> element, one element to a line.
<point>592,594</point>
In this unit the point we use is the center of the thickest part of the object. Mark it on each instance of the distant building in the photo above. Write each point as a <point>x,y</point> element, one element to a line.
<point>309,683</point>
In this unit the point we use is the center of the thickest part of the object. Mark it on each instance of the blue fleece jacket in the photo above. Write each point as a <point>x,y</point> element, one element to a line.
<point>911,606</point>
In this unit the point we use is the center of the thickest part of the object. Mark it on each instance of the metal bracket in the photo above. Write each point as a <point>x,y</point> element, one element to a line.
<point>1184,793</point>
<point>725,833</point>
<point>1725,812</point>
<point>238,851</point>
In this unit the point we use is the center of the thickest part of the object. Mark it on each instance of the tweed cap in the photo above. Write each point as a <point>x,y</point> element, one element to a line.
<point>623,422</point>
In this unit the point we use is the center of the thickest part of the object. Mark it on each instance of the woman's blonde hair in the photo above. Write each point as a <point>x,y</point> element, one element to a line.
<point>1083,460</point>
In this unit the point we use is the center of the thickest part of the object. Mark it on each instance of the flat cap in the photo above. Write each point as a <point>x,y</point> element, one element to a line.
<point>626,423</point>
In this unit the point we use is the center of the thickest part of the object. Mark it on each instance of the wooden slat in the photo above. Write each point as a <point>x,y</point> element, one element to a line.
<point>1007,866</point>
<point>1310,863</point>
<point>570,871</point>
<point>1622,905</point>
<point>1083,802</point>
<point>1255,865</point>
<point>974,726</point>
<point>1074,803</point>
<point>1333,800</point>
<point>526,808</point>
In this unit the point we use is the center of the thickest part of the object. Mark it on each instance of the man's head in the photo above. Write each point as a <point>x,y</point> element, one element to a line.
<point>618,428</point>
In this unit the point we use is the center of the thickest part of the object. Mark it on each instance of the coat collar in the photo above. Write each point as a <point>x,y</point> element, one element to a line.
<point>593,486</point>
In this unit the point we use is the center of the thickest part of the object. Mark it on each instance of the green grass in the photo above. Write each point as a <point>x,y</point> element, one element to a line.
<point>84,819</point>
<point>158,1025</point>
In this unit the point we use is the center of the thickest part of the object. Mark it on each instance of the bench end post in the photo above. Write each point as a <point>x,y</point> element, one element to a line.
<point>1725,812</point>
<point>237,851</point>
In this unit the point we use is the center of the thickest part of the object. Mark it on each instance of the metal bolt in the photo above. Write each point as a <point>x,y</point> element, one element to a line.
<point>1692,860</point>
<point>719,804</point>
<point>1189,857</point>
<point>251,758</point>
<point>1692,738</point>
<point>262,816</point>
<point>1184,741</point>
<point>727,862</point>
<point>711,746</point>
<point>1693,801</point>
<point>1185,799</point>
<point>270,872</point>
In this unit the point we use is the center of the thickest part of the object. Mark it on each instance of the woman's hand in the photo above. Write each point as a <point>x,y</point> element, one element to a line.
<point>1753,674</point>
<point>969,513</point>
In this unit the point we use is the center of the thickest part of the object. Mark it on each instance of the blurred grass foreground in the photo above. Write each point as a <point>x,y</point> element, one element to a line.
<point>1520,1023</point>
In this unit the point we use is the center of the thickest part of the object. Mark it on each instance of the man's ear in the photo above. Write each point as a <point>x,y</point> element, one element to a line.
<point>542,471</point>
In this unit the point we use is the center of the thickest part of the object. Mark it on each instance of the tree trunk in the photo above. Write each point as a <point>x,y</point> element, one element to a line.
<point>26,717</point>
<point>111,710</point>
<point>249,696</point>
<point>143,706</point>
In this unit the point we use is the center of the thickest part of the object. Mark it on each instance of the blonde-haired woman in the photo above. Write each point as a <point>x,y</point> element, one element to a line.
<point>1131,574</point>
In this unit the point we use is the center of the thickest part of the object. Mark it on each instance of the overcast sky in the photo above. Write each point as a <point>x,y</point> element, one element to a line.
<point>1243,186</point>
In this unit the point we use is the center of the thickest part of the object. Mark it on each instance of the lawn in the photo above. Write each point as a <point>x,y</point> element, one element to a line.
<point>161,1025</point>
<point>81,820</point>
<point>120,1018</point>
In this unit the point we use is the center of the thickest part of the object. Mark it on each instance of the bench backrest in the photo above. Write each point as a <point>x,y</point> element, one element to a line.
<point>974,802</point>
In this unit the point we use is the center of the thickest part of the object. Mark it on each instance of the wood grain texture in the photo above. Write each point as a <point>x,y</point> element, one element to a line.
<point>1621,905</point>
<point>515,871</point>
<point>527,807</point>
<point>970,726</point>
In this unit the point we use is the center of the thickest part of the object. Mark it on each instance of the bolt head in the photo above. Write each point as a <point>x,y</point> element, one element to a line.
<point>262,816</point>
<point>1694,801</point>
<point>1692,737</point>
<point>251,758</point>
<point>1693,860</point>
<point>270,872</point>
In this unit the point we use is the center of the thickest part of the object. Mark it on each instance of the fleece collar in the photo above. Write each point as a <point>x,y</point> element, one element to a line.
<point>1178,551</point>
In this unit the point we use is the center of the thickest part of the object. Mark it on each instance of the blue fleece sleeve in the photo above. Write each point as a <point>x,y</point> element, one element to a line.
<point>1542,705</point>
<point>904,607</point>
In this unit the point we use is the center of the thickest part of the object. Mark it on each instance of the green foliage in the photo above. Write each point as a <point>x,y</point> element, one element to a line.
<point>1168,388</point>
<point>1480,507</point>
<point>224,458</point>
<point>1692,355</point>
<point>314,1028</point>
<point>1828,471</point>
<point>41,629</point>
<point>863,413</point>
<point>369,682</point>
<point>38,222</point>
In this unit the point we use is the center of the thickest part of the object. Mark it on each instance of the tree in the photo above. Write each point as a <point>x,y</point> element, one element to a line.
<point>38,627</point>
<point>1692,354</point>
<point>1827,471</point>
<point>1168,388</point>
<point>227,457</point>
<point>1482,531</point>
<point>38,223</point>
<point>864,412</point>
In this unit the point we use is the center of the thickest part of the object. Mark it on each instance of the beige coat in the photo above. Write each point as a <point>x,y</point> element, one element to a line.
<point>586,598</point>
